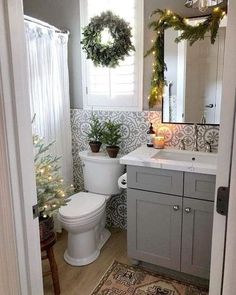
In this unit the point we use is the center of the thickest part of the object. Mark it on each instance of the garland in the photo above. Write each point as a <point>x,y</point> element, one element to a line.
<point>167,20</point>
<point>110,53</point>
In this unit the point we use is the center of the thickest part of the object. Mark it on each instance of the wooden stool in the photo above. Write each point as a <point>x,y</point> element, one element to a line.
<point>47,246</point>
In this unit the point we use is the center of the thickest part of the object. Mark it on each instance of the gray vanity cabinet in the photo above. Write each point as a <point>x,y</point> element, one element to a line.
<point>170,216</point>
<point>154,228</point>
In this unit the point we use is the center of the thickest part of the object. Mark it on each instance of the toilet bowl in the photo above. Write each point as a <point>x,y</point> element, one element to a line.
<point>84,216</point>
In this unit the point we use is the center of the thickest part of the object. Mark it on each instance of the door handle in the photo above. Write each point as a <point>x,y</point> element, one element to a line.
<point>210,106</point>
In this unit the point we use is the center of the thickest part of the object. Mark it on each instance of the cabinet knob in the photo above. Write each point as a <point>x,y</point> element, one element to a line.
<point>176,207</point>
<point>188,210</point>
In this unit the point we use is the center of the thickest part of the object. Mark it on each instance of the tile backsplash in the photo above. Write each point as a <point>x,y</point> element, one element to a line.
<point>134,128</point>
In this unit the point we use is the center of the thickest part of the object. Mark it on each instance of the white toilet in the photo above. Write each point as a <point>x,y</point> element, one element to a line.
<point>84,216</point>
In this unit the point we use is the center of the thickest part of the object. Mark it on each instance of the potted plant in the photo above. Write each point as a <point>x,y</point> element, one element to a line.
<point>111,137</point>
<point>51,191</point>
<point>95,134</point>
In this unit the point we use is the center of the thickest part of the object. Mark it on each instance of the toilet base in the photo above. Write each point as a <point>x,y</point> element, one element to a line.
<point>105,235</point>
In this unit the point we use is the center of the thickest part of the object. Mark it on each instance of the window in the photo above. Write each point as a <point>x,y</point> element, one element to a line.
<point>119,88</point>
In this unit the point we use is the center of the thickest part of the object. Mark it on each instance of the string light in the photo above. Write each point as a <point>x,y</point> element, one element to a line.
<point>216,9</point>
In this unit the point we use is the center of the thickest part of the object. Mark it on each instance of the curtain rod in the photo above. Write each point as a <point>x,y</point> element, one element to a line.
<point>44,24</point>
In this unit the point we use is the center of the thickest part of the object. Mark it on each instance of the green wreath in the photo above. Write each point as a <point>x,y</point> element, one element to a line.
<point>110,53</point>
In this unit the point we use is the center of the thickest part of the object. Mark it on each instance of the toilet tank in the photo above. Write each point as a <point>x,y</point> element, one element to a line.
<point>101,173</point>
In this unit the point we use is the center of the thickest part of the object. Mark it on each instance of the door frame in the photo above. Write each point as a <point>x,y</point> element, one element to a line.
<point>219,270</point>
<point>20,257</point>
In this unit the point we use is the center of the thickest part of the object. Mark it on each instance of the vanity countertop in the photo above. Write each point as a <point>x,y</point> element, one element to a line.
<point>188,161</point>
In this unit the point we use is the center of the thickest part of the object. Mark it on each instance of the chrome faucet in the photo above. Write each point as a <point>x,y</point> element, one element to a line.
<point>195,136</point>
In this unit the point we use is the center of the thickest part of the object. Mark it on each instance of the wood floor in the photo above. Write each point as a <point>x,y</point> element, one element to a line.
<point>82,280</point>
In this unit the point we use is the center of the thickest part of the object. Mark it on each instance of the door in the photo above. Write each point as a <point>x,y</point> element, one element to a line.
<point>196,237</point>
<point>21,247</point>
<point>154,228</point>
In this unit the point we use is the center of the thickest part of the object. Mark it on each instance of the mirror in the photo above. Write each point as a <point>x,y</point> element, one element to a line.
<point>194,79</point>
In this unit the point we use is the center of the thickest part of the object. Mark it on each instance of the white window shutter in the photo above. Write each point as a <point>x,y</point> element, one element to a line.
<point>119,88</point>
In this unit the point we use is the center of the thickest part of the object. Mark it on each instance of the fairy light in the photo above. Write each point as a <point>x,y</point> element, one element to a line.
<point>216,9</point>
<point>153,52</point>
<point>50,178</point>
<point>61,180</point>
<point>152,40</point>
<point>42,170</point>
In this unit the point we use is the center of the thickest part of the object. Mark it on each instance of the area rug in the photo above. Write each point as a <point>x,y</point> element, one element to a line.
<point>121,279</point>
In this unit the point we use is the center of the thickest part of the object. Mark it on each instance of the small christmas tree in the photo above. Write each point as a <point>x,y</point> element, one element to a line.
<point>51,191</point>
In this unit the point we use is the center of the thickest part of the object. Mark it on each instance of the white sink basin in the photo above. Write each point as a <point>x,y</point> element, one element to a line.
<point>189,161</point>
<point>186,156</point>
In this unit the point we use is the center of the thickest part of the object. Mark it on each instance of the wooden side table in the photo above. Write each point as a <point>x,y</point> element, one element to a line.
<point>47,246</point>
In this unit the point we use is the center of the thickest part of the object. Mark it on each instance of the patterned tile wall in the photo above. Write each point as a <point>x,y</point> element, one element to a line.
<point>134,128</point>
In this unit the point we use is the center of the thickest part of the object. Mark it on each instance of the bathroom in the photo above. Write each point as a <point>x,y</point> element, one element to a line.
<point>135,117</point>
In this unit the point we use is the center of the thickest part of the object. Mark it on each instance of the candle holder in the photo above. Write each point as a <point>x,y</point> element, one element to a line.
<point>159,142</point>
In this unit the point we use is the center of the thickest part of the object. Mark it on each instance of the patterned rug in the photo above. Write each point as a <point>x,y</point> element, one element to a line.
<point>121,279</point>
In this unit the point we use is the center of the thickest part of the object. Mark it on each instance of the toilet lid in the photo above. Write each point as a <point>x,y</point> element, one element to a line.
<point>82,204</point>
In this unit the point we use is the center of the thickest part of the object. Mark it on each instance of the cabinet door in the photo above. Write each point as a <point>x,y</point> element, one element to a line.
<point>154,228</point>
<point>196,237</point>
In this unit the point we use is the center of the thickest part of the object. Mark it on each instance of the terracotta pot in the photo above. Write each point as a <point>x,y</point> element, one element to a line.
<point>112,151</point>
<point>46,228</point>
<point>95,146</point>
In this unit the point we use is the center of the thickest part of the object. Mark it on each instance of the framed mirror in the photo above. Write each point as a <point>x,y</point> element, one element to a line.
<point>194,78</point>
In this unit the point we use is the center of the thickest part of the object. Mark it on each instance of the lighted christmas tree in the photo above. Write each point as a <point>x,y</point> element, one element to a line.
<point>51,191</point>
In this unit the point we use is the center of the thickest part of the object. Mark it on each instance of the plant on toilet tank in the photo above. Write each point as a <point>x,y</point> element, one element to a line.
<point>111,137</point>
<point>95,133</point>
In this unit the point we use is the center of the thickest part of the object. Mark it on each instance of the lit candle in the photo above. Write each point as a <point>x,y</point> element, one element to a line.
<point>159,142</point>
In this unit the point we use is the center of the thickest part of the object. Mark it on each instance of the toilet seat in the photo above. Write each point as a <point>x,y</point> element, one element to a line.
<point>82,205</point>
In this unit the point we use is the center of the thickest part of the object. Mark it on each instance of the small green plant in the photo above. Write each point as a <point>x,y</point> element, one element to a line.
<point>96,129</point>
<point>111,133</point>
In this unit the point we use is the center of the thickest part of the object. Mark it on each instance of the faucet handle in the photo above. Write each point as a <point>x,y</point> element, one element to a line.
<point>208,146</point>
<point>182,145</point>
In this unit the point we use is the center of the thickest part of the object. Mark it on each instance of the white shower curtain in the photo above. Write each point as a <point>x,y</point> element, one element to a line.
<point>49,89</point>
